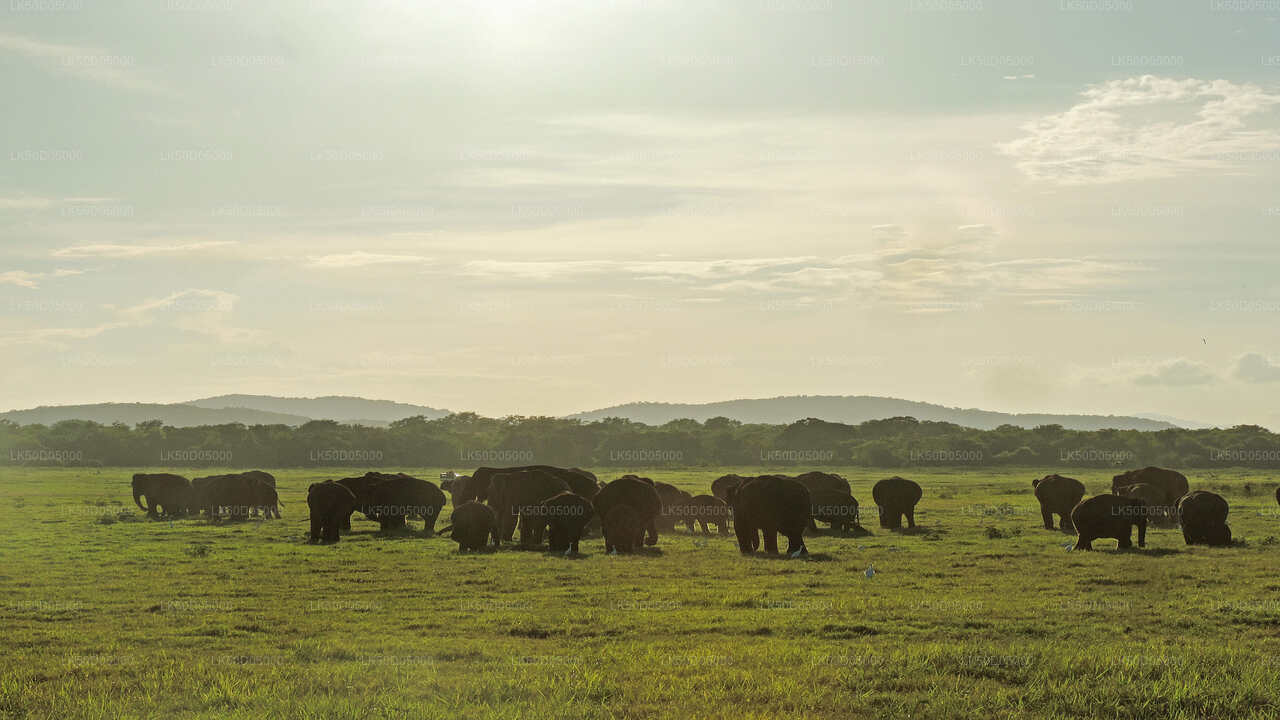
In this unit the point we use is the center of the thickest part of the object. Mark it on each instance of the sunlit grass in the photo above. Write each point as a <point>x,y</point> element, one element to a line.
<point>132,618</point>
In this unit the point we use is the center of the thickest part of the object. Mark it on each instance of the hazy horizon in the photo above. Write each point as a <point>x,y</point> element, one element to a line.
<point>552,207</point>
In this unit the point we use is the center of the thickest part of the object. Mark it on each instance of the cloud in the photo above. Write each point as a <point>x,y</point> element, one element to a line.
<point>1255,368</point>
<point>1144,128</point>
<point>654,270</point>
<point>86,63</point>
<point>364,259</point>
<point>25,279</point>
<point>25,202</point>
<point>200,311</point>
<point>108,250</point>
<point>1177,373</point>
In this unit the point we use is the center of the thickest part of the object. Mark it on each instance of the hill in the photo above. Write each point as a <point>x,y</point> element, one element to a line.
<point>854,409</point>
<point>346,409</point>
<point>177,415</point>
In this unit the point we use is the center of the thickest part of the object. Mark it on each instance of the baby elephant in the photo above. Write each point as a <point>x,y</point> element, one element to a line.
<point>1110,516</point>
<point>330,503</point>
<point>1204,519</point>
<point>709,510</point>
<point>1058,495</point>
<point>473,525</point>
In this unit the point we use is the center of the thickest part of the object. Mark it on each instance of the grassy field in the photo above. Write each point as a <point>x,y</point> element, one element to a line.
<point>981,614</point>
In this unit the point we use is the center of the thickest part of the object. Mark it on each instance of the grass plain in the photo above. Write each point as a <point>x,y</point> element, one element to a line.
<point>980,614</point>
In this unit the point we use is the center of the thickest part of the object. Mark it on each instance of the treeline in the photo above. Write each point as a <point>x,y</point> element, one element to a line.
<point>466,440</point>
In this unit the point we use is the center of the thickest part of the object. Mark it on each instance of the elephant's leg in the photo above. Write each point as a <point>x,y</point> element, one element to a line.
<point>771,541</point>
<point>1125,542</point>
<point>705,529</point>
<point>317,527</point>
<point>911,517</point>
<point>526,532</point>
<point>1047,516</point>
<point>744,536</point>
<point>508,520</point>
<point>884,516</point>
<point>151,510</point>
<point>795,544</point>
<point>1084,542</point>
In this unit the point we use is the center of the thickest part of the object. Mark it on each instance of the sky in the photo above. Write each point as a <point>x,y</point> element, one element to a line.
<point>543,207</point>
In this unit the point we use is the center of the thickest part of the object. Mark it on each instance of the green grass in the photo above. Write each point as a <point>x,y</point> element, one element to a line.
<point>982,614</point>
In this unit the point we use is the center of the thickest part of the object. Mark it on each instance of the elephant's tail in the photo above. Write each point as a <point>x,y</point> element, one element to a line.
<point>137,497</point>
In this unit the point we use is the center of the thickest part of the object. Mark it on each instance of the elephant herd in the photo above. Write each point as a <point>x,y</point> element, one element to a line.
<point>238,495</point>
<point>565,503</point>
<point>1151,495</point>
<point>556,507</point>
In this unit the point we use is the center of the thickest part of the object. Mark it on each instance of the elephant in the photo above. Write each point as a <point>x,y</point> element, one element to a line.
<point>362,488</point>
<point>458,488</point>
<point>516,495</point>
<point>896,497</point>
<point>1058,494</point>
<point>400,497</point>
<point>566,514</point>
<point>234,493</point>
<point>1109,516</point>
<point>709,509</point>
<point>815,481</point>
<point>674,500</point>
<point>1170,483</point>
<point>241,494</point>
<point>769,506</point>
<point>1203,516</point>
<point>721,486</point>
<point>170,493</point>
<point>330,503</point>
<point>624,528</point>
<point>579,481</point>
<point>1159,512</point>
<point>836,507</point>
<point>266,497</point>
<point>472,525</point>
<point>639,495</point>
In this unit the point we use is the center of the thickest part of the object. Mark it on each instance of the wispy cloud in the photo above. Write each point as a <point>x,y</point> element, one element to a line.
<point>109,250</point>
<point>88,63</point>
<point>25,279</point>
<point>1177,373</point>
<point>198,311</point>
<point>1148,127</point>
<point>25,202</point>
<point>364,259</point>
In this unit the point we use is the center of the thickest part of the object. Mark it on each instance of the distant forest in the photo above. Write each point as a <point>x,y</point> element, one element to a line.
<point>465,441</point>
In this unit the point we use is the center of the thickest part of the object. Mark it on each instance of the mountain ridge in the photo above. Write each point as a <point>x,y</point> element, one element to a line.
<point>854,409</point>
<point>781,410</point>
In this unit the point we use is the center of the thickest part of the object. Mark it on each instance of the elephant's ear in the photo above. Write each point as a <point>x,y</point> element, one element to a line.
<point>1036,482</point>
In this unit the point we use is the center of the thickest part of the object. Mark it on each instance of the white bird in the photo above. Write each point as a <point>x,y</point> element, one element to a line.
<point>871,572</point>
